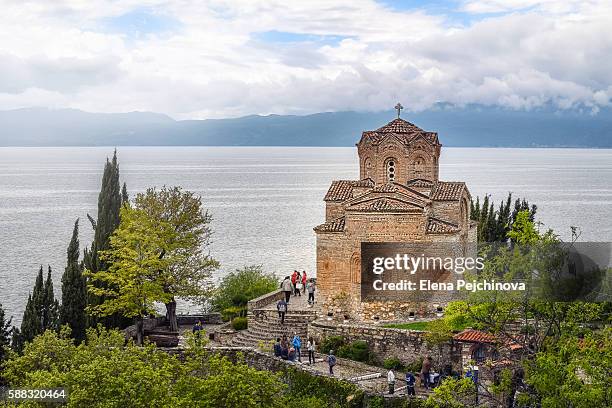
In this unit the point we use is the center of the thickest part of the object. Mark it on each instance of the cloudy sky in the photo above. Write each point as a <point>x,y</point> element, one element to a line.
<point>211,59</point>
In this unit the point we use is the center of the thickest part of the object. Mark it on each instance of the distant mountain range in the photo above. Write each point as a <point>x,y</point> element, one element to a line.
<point>473,126</point>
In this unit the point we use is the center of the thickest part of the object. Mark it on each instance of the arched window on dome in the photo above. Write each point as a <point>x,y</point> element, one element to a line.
<point>391,169</point>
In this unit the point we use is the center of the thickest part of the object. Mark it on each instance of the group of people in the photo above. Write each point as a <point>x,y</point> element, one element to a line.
<point>425,375</point>
<point>298,283</point>
<point>292,350</point>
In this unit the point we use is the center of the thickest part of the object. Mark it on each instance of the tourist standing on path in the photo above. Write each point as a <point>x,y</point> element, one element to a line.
<point>311,350</point>
<point>297,284</point>
<point>281,306</point>
<point>304,280</point>
<point>311,287</point>
<point>197,328</point>
<point>297,344</point>
<point>277,348</point>
<point>331,360</point>
<point>425,370</point>
<point>410,382</point>
<point>287,288</point>
<point>391,381</point>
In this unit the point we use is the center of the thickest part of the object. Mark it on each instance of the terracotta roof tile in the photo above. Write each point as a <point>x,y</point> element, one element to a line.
<point>474,336</point>
<point>405,131</point>
<point>447,190</point>
<point>422,183</point>
<point>399,126</point>
<point>384,205</point>
<point>336,225</point>
<point>341,190</point>
<point>438,226</point>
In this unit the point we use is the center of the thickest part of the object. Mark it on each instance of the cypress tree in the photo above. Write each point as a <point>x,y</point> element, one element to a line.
<point>125,197</point>
<point>38,295</point>
<point>74,290</point>
<point>41,311</point>
<point>31,325</point>
<point>50,312</point>
<point>5,335</point>
<point>17,340</point>
<point>109,204</point>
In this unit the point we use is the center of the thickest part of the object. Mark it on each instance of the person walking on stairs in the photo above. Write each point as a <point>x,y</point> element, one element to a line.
<point>287,288</point>
<point>281,306</point>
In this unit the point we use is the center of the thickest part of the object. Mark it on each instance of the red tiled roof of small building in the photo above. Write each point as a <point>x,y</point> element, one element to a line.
<point>447,190</point>
<point>336,225</point>
<point>438,226</point>
<point>475,336</point>
<point>341,190</point>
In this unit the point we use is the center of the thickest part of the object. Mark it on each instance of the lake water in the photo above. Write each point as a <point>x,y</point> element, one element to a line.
<point>265,201</point>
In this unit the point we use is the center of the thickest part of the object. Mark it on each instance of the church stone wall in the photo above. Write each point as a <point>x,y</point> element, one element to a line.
<point>333,210</point>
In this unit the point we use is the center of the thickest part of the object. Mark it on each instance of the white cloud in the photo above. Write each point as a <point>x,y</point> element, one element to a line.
<point>212,62</point>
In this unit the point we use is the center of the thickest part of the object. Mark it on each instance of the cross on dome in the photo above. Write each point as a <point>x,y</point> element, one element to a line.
<point>398,108</point>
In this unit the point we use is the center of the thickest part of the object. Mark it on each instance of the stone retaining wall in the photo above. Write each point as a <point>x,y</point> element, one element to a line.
<point>264,300</point>
<point>406,345</point>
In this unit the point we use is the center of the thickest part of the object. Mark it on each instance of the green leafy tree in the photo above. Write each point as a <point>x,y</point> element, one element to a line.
<point>74,290</point>
<point>237,288</point>
<point>183,227</point>
<point>133,282</point>
<point>110,200</point>
<point>104,372</point>
<point>453,393</point>
<point>564,354</point>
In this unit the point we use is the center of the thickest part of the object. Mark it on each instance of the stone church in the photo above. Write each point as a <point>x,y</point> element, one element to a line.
<point>398,198</point>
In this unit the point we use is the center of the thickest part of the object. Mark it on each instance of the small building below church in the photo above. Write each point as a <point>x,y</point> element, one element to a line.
<point>397,198</point>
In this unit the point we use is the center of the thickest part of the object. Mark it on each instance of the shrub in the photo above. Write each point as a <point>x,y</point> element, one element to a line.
<point>239,323</point>
<point>415,366</point>
<point>238,287</point>
<point>233,311</point>
<point>332,343</point>
<point>393,363</point>
<point>357,351</point>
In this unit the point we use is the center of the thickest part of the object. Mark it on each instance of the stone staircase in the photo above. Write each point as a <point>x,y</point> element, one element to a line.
<point>264,325</point>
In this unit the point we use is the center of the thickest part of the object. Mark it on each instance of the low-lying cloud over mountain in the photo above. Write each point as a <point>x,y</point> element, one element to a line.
<point>471,126</point>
